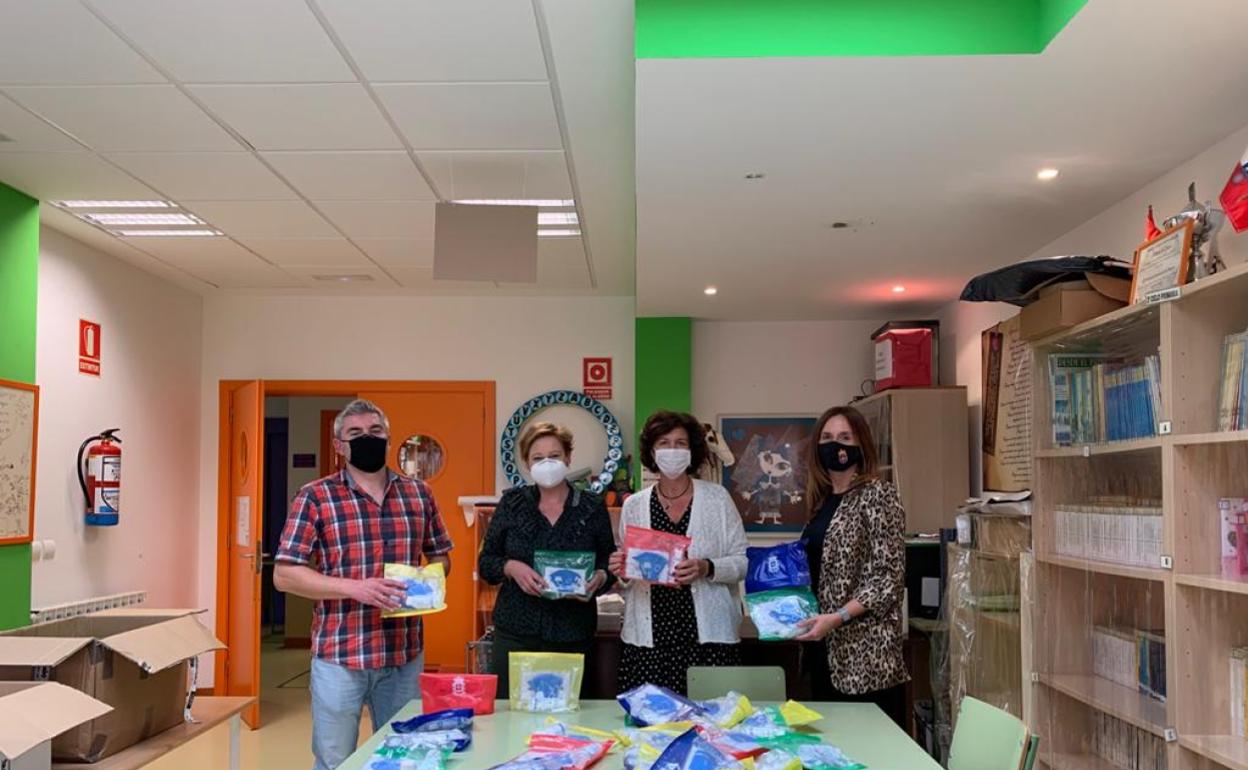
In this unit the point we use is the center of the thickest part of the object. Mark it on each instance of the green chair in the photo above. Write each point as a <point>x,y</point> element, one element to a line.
<point>1032,749</point>
<point>987,738</point>
<point>758,683</point>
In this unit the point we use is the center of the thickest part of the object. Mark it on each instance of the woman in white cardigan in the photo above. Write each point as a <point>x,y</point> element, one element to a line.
<point>669,629</point>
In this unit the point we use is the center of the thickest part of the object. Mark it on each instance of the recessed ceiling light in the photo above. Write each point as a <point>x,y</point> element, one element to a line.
<point>839,225</point>
<point>556,218</point>
<point>710,291</point>
<point>557,233</point>
<point>114,219</point>
<point>168,233</point>
<point>755,175</point>
<point>899,289</point>
<point>545,203</point>
<point>348,278</point>
<point>114,204</point>
<point>1046,174</point>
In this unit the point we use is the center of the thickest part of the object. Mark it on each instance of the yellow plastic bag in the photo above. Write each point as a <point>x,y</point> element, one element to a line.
<point>546,682</point>
<point>794,714</point>
<point>426,589</point>
<point>555,727</point>
<point>727,711</point>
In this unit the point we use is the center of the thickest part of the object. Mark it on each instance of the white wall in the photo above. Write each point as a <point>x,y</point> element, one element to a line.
<point>304,437</point>
<point>149,387</point>
<point>1116,231</point>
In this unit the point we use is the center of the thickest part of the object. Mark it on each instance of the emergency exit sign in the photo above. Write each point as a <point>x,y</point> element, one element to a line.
<point>88,347</point>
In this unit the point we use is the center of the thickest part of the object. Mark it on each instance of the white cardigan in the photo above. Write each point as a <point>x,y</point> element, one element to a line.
<point>717,533</point>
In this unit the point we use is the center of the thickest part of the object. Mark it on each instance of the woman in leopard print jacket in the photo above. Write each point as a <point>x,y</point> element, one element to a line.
<point>856,549</point>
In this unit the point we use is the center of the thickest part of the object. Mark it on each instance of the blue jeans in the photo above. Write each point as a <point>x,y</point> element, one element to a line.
<point>338,696</point>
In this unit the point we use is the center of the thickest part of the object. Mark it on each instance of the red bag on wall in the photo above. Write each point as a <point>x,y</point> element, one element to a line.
<point>439,692</point>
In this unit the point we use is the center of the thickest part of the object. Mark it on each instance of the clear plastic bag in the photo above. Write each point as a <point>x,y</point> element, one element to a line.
<point>727,710</point>
<point>546,682</point>
<point>652,555</point>
<point>567,573</point>
<point>777,613</point>
<point>426,589</point>
<point>650,704</point>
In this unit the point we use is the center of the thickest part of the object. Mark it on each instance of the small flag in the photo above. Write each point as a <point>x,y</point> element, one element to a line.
<point>1150,227</point>
<point>1234,196</point>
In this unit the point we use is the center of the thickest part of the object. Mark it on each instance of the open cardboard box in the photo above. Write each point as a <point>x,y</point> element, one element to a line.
<point>137,662</point>
<point>33,714</point>
<point>1069,303</point>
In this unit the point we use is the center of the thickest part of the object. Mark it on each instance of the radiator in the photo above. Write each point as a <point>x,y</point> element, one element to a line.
<point>86,606</point>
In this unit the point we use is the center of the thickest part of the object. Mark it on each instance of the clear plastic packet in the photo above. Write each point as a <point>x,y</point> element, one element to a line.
<point>565,730</point>
<point>650,704</point>
<point>776,566</point>
<point>734,744</point>
<point>546,682</point>
<point>821,756</point>
<point>452,740</point>
<point>778,759</point>
<point>788,741</point>
<point>690,751</point>
<point>390,757</point>
<point>727,710</point>
<point>567,573</point>
<point>652,555</point>
<point>558,753</point>
<point>777,613</point>
<point>437,721</point>
<point>426,589</point>
<point>789,714</point>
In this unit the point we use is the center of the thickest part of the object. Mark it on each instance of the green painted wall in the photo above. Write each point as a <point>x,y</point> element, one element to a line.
<point>774,28</point>
<point>19,288</point>
<point>664,369</point>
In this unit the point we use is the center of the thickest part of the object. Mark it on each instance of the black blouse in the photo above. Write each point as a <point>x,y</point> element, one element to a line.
<point>517,529</point>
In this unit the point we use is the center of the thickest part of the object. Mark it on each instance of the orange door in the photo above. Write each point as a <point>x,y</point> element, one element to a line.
<point>452,427</point>
<point>246,454</point>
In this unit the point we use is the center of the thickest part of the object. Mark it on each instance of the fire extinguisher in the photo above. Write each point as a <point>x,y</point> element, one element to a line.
<point>102,485</point>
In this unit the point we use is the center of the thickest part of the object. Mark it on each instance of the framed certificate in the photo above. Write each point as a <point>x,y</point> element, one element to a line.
<point>1161,264</point>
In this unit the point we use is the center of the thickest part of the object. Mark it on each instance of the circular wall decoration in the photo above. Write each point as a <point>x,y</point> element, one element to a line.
<point>511,434</point>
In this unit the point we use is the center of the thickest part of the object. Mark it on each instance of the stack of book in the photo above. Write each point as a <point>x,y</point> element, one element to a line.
<point>1131,658</point>
<point>1098,398</point>
<point>1152,656</point>
<point>1123,534</point>
<point>1239,690</point>
<point>1233,399</point>
<point>1125,746</point>
<point>1233,514</point>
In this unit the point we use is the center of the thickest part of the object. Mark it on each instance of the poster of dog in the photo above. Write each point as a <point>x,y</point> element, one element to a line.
<point>768,480</point>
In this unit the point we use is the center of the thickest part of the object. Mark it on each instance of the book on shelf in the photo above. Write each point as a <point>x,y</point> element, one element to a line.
<point>1239,689</point>
<point>1099,398</point>
<point>1115,655</point>
<point>1152,661</point>
<point>1126,746</point>
<point>1129,533</point>
<point>1233,514</point>
<point>1233,396</point>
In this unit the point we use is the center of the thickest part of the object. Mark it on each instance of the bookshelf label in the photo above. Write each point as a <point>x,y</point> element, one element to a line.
<point>1167,562</point>
<point>1165,428</point>
<point>1087,451</point>
<point>1164,295</point>
<point>1171,735</point>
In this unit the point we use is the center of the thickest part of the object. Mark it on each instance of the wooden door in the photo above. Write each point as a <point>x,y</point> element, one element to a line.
<point>245,556</point>
<point>454,424</point>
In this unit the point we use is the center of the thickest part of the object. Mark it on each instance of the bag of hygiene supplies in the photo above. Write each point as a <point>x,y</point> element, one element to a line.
<point>564,730</point>
<point>451,691</point>
<point>790,714</point>
<point>650,704</point>
<point>777,613</point>
<point>567,573</point>
<point>789,741</point>
<point>426,589</point>
<point>778,759</point>
<point>727,710</point>
<point>451,740</point>
<point>652,555</point>
<point>547,682</point>
<point>691,752</point>
<point>777,566</point>
<point>820,756</point>
<point>734,744</point>
<point>438,721</point>
<point>554,753</point>
<point>390,757</point>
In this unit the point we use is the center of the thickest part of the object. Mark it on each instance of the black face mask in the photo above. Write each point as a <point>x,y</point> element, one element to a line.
<point>836,456</point>
<point>368,453</point>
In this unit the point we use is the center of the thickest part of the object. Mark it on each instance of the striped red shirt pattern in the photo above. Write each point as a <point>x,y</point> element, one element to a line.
<point>351,536</point>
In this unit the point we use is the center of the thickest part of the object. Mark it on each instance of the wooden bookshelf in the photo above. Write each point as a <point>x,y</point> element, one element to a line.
<point>1188,466</point>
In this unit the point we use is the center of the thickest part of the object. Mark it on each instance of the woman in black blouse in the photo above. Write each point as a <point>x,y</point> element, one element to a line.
<point>548,515</point>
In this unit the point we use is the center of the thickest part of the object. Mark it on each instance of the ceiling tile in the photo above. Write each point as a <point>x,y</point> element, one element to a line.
<point>184,251</point>
<point>462,40</point>
<point>474,116</point>
<point>381,219</point>
<point>59,41</point>
<point>399,252</point>
<point>69,176</point>
<point>263,219</point>
<point>206,175</point>
<point>472,175</point>
<point>231,41</point>
<point>561,264</point>
<point>320,277</point>
<point>352,175</point>
<point>334,116</point>
<point>310,252</point>
<point>27,133</point>
<point>258,276</point>
<point>118,118</point>
<point>421,279</point>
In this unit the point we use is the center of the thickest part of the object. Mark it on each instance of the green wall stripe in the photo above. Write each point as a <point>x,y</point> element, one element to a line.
<point>795,28</point>
<point>19,290</point>
<point>664,369</point>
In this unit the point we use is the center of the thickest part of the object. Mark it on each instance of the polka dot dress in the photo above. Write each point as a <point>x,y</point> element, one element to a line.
<point>675,629</point>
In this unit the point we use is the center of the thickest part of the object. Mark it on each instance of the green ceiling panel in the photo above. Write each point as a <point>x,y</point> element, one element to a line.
<point>682,29</point>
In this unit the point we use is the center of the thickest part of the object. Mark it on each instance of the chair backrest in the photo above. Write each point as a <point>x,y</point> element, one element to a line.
<point>758,683</point>
<point>987,738</point>
<point>1033,748</point>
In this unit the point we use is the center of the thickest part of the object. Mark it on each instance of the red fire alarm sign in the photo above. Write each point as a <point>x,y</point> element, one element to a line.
<point>596,376</point>
<point>89,348</point>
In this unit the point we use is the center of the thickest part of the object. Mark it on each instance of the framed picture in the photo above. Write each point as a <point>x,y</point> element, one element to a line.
<point>19,434</point>
<point>1161,264</point>
<point>768,480</point>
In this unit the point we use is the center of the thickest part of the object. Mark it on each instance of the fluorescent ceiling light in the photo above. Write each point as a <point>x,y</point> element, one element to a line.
<point>556,218</point>
<point>114,220</point>
<point>342,278</point>
<point>114,204</point>
<point>710,291</point>
<point>539,202</point>
<point>166,233</point>
<point>557,233</point>
<point>1047,174</point>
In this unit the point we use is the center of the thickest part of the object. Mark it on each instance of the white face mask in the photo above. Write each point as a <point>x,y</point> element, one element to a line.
<point>549,472</point>
<point>673,462</point>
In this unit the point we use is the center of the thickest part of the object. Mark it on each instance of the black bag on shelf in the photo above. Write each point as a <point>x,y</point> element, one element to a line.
<point>1019,284</point>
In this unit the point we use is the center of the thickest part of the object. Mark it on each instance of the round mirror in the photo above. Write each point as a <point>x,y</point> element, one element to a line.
<point>421,457</point>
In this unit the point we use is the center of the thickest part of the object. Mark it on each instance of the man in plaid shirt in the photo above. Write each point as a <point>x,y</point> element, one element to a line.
<point>340,532</point>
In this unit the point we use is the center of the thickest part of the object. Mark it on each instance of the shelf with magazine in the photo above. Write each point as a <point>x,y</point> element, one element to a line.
<point>1212,674</point>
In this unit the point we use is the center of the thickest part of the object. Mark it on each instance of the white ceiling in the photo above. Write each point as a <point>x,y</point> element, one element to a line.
<point>933,159</point>
<point>318,134</point>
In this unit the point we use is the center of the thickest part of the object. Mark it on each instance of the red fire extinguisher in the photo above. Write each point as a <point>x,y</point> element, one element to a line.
<point>102,485</point>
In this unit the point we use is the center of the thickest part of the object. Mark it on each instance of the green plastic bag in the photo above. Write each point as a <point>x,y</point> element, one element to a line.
<point>567,573</point>
<point>777,613</point>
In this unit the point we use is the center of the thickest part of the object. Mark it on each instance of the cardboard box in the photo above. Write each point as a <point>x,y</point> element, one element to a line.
<point>1063,305</point>
<point>34,714</point>
<point>138,663</point>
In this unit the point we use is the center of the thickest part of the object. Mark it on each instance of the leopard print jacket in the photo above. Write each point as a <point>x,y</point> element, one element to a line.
<point>864,559</point>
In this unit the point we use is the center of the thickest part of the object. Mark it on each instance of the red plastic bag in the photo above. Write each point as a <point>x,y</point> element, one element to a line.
<point>582,754</point>
<point>903,359</point>
<point>1235,196</point>
<point>652,556</point>
<point>439,692</point>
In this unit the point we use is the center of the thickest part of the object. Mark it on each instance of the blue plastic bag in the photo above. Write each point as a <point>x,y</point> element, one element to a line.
<point>777,566</point>
<point>650,704</point>
<point>438,721</point>
<point>692,752</point>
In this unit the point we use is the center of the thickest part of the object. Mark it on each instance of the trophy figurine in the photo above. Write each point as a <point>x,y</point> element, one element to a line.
<point>1207,220</point>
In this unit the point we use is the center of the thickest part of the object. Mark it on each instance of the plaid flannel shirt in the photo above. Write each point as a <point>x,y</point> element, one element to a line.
<point>352,536</point>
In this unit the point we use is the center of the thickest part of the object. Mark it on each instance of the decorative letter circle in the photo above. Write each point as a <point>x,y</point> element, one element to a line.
<point>615,439</point>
